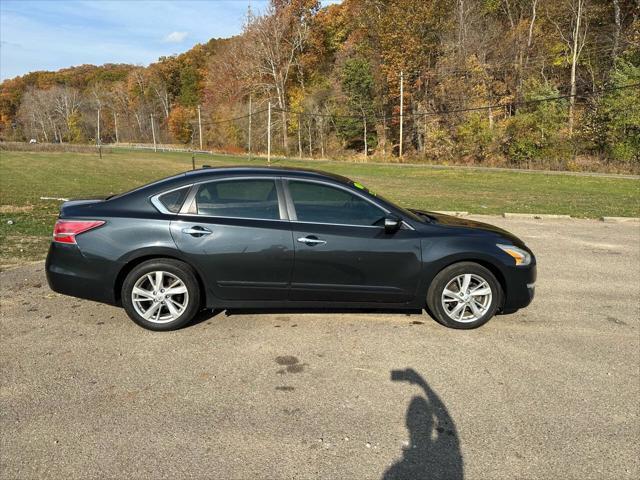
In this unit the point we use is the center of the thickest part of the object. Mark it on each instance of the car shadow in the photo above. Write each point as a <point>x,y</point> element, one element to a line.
<point>203,316</point>
<point>208,313</point>
<point>433,451</point>
<point>248,311</point>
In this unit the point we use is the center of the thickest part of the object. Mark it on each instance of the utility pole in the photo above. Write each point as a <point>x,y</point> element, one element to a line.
<point>250,119</point>
<point>300,135</point>
<point>401,111</point>
<point>199,127</point>
<point>269,136</point>
<point>384,135</point>
<point>366,147</point>
<point>153,132</point>
<point>193,155</point>
<point>574,62</point>
<point>98,139</point>
<point>115,124</point>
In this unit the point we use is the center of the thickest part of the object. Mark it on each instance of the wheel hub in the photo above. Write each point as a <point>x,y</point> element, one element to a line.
<point>160,297</point>
<point>466,298</point>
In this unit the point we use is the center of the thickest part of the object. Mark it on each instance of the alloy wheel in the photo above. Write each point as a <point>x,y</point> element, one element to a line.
<point>466,298</point>
<point>159,297</point>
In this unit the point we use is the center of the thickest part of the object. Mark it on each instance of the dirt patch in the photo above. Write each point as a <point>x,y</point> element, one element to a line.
<point>15,209</point>
<point>20,250</point>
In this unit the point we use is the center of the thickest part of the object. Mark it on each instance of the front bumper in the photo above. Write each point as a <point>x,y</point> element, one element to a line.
<point>520,287</point>
<point>71,273</point>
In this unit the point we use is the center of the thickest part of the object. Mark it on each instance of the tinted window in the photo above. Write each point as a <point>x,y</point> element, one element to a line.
<point>239,198</point>
<point>319,203</point>
<point>172,201</point>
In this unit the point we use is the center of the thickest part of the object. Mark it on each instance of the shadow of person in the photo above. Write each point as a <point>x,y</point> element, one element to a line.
<point>434,449</point>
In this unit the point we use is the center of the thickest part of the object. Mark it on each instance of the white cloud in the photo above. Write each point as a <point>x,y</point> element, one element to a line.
<point>175,37</point>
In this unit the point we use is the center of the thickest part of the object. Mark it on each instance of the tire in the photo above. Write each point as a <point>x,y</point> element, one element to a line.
<point>166,311</point>
<point>475,306</point>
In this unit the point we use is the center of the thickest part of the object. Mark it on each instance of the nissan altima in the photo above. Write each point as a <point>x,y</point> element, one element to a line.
<point>279,238</point>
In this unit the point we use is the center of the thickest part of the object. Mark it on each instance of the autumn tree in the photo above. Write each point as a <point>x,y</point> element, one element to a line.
<point>180,124</point>
<point>357,85</point>
<point>500,82</point>
<point>277,39</point>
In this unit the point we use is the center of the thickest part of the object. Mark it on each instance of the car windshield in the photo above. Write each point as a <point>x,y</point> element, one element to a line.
<point>406,212</point>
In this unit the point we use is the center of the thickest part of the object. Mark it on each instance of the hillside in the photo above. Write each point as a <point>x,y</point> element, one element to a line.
<point>526,83</point>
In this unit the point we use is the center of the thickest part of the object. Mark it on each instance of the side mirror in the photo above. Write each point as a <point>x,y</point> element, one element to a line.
<point>392,224</point>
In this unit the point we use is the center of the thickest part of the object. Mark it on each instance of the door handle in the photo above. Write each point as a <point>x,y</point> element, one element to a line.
<point>311,240</point>
<point>196,231</point>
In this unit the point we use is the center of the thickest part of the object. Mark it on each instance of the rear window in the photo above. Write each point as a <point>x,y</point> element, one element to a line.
<point>239,198</point>
<point>173,201</point>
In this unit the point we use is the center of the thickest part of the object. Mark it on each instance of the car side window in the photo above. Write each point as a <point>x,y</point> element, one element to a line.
<point>318,203</point>
<point>239,198</point>
<point>172,201</point>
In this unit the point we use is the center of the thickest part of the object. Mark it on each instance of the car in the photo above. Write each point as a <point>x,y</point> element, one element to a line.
<point>269,238</point>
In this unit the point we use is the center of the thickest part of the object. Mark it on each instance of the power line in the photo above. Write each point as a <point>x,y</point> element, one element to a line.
<point>526,102</point>
<point>461,110</point>
<point>532,62</point>
<point>226,120</point>
<point>537,62</point>
<point>428,114</point>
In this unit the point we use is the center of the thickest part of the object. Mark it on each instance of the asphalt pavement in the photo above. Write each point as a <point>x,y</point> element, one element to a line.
<point>551,391</point>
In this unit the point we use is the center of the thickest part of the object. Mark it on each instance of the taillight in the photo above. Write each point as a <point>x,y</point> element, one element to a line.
<point>65,231</point>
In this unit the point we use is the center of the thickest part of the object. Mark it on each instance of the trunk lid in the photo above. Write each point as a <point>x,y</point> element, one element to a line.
<point>79,207</point>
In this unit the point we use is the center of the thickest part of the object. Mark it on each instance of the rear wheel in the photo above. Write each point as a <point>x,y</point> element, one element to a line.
<point>464,295</point>
<point>161,294</point>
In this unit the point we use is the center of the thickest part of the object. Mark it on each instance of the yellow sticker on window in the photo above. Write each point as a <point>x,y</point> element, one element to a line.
<point>362,187</point>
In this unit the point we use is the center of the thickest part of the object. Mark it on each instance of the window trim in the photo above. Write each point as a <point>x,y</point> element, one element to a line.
<point>285,202</point>
<point>293,217</point>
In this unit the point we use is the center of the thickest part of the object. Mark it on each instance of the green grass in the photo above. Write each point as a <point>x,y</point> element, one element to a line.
<point>27,176</point>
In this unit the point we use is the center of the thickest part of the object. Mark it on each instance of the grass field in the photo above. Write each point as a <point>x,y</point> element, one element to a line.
<point>27,176</point>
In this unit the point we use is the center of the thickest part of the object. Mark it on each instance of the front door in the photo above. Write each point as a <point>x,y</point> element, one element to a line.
<point>342,252</point>
<point>239,237</point>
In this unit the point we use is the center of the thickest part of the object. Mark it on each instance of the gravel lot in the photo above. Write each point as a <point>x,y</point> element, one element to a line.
<point>549,392</point>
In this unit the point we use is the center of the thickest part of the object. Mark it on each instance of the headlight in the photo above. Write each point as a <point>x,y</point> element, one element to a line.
<point>522,257</point>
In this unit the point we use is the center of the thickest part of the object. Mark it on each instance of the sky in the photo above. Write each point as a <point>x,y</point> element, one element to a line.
<point>52,34</point>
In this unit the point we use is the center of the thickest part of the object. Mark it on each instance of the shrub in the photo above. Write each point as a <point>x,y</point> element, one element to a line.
<point>536,129</point>
<point>475,136</point>
<point>613,125</point>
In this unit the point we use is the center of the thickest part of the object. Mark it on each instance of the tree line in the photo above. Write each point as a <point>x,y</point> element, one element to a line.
<point>527,83</point>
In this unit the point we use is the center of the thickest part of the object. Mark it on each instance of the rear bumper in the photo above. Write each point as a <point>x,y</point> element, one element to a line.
<point>520,287</point>
<point>71,273</point>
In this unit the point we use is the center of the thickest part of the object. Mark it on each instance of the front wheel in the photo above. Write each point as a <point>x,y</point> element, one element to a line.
<point>464,295</point>
<point>161,294</point>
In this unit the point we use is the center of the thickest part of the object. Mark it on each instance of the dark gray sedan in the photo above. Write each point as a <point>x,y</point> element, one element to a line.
<point>278,238</point>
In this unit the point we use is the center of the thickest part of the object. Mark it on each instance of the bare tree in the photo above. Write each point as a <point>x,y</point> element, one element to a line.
<point>67,105</point>
<point>276,39</point>
<point>575,40</point>
<point>39,110</point>
<point>137,103</point>
<point>33,115</point>
<point>120,108</point>
<point>617,27</point>
<point>162,94</point>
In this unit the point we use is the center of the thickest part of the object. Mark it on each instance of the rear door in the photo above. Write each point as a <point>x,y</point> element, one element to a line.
<point>237,233</point>
<point>342,252</point>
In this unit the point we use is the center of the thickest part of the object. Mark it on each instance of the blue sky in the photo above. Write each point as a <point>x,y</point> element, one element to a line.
<point>52,34</point>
